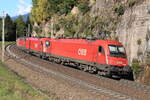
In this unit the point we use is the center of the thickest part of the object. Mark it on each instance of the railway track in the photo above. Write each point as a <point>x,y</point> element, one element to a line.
<point>121,90</point>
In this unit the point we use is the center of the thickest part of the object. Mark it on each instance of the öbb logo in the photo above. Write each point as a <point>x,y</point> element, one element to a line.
<point>82,52</point>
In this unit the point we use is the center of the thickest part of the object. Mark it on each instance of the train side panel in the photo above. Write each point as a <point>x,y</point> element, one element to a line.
<point>35,44</point>
<point>21,42</point>
<point>80,51</point>
<point>28,43</point>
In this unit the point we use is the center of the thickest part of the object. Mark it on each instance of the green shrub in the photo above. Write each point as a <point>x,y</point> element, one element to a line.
<point>148,61</point>
<point>38,30</point>
<point>68,23</point>
<point>62,6</point>
<point>43,10</point>
<point>84,7</point>
<point>139,41</point>
<point>119,9</point>
<point>136,67</point>
<point>56,27</point>
<point>131,3</point>
<point>148,11</point>
<point>148,35</point>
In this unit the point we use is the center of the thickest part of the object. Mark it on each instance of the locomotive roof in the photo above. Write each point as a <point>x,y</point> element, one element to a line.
<point>84,41</point>
<point>81,41</point>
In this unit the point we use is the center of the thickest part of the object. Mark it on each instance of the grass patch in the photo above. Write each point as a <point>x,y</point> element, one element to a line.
<point>13,88</point>
<point>6,43</point>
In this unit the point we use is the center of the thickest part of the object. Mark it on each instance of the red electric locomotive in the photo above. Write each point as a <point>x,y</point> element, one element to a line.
<point>104,57</point>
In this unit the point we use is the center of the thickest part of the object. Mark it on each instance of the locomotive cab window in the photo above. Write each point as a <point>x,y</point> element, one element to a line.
<point>117,51</point>
<point>47,43</point>
<point>100,49</point>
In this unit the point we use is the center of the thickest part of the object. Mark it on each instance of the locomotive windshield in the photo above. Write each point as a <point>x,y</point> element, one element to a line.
<point>117,51</point>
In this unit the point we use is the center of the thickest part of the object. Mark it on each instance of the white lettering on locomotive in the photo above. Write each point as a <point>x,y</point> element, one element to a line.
<point>82,52</point>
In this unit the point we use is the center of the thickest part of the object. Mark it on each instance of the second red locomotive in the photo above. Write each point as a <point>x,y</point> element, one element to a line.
<point>104,57</point>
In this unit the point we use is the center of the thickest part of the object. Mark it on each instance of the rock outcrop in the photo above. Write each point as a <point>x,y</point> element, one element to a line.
<point>134,30</point>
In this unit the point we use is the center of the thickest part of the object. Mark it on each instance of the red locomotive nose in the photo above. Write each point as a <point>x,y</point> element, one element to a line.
<point>117,55</point>
<point>117,61</point>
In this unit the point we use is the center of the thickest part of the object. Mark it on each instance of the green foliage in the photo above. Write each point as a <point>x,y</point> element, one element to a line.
<point>147,38</point>
<point>0,29</point>
<point>148,11</point>
<point>74,25</point>
<point>20,26</point>
<point>66,6</point>
<point>139,41</point>
<point>34,2</point>
<point>10,30</point>
<point>119,9</point>
<point>38,30</point>
<point>62,6</point>
<point>87,26</point>
<point>68,24</point>
<point>12,26</point>
<point>29,25</point>
<point>44,9</point>
<point>41,10</point>
<point>56,27</point>
<point>84,6</point>
<point>136,67</point>
<point>148,60</point>
<point>147,35</point>
<point>131,3</point>
<point>6,43</point>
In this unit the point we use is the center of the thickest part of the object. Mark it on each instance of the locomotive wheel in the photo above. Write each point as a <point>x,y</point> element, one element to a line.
<point>58,61</point>
<point>83,67</point>
<point>92,69</point>
<point>101,73</point>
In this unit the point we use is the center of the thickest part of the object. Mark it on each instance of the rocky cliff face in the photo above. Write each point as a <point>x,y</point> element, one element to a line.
<point>134,30</point>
